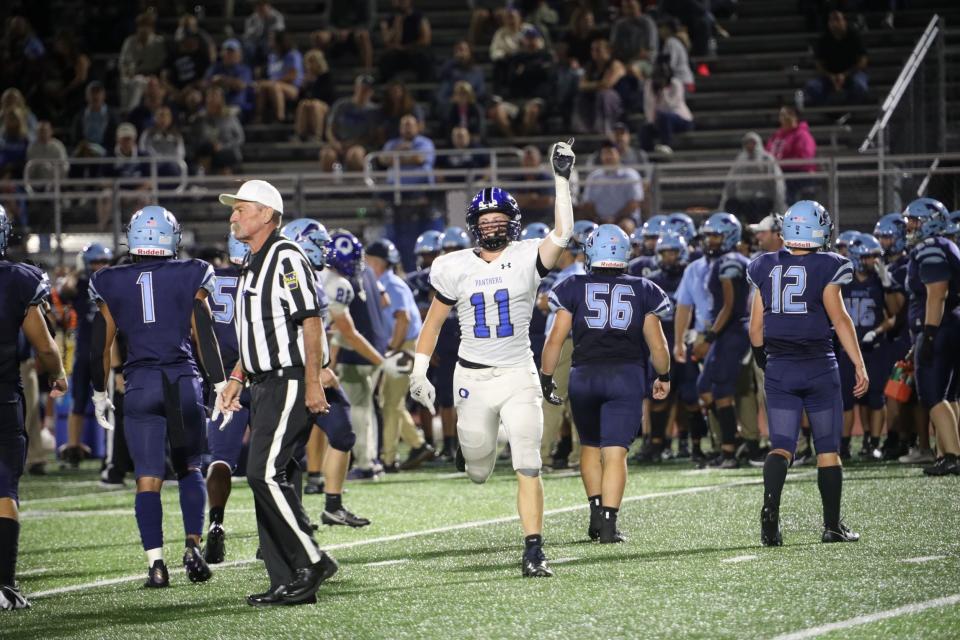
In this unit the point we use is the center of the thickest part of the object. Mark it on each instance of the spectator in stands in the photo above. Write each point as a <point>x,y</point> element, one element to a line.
<point>754,186</point>
<point>505,43</point>
<point>793,141</point>
<point>841,61</point>
<point>187,65</point>
<point>217,137</point>
<point>257,29</point>
<point>461,67</point>
<point>316,96</point>
<point>536,201</point>
<point>21,58</point>
<point>284,77</point>
<point>541,15</point>
<point>598,104</point>
<point>163,139</point>
<point>144,54</point>
<point>154,97</point>
<point>131,170</point>
<point>486,15</point>
<point>665,108</point>
<point>406,37</point>
<point>676,52</point>
<point>612,192</point>
<point>234,77</point>
<point>65,74</point>
<point>397,102</point>
<point>14,142</point>
<point>192,109</point>
<point>94,128</point>
<point>416,166</point>
<point>353,127</point>
<point>12,98</point>
<point>347,28</point>
<point>629,154</point>
<point>463,158</point>
<point>634,37</point>
<point>465,112</point>
<point>530,82</point>
<point>696,17</point>
<point>189,24</point>
<point>50,156</point>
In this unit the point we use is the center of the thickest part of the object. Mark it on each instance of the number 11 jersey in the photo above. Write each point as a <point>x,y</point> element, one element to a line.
<point>494,301</point>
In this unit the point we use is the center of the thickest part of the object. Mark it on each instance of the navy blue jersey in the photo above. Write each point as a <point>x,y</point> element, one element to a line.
<point>608,315</point>
<point>365,310</point>
<point>642,266</point>
<point>85,310</point>
<point>21,286</point>
<point>730,266</point>
<point>223,304</point>
<point>669,282</point>
<point>795,323</point>
<point>933,260</point>
<point>152,305</point>
<point>864,302</point>
<point>419,283</point>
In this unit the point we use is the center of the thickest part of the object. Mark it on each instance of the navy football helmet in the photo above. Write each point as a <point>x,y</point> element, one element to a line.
<point>494,200</point>
<point>345,253</point>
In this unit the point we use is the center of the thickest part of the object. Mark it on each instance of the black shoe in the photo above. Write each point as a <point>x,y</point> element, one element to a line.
<point>845,454</point>
<point>683,449</point>
<point>11,598</point>
<point>842,533</point>
<point>596,521</point>
<point>730,463</point>
<point>715,462</point>
<point>313,488</point>
<point>215,549</point>
<point>259,554</point>
<point>157,577</point>
<point>196,566</point>
<point>459,462</point>
<point>609,534</point>
<point>944,466</point>
<point>535,564</point>
<point>271,598</point>
<point>391,467</point>
<point>418,456</point>
<point>770,533</point>
<point>307,580</point>
<point>696,455</point>
<point>343,517</point>
<point>37,469</point>
<point>559,464</point>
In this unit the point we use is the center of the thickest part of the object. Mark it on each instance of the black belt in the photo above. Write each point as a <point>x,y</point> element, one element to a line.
<point>286,373</point>
<point>472,365</point>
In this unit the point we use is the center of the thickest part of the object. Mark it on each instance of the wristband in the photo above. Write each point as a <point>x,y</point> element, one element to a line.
<point>421,362</point>
<point>710,336</point>
<point>664,377</point>
<point>236,379</point>
<point>559,241</point>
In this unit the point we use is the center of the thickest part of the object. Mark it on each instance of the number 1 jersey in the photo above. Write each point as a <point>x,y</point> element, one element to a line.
<point>494,301</point>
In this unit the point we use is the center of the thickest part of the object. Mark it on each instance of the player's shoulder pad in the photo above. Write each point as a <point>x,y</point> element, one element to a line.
<point>657,299</point>
<point>34,281</point>
<point>838,269</point>
<point>731,266</point>
<point>931,251</point>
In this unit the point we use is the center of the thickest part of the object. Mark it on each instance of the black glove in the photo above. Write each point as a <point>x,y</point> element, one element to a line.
<point>548,386</point>
<point>925,352</point>
<point>760,356</point>
<point>562,158</point>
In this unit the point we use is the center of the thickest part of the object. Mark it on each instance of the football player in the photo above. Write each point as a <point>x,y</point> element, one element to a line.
<point>24,288</point>
<point>725,342</point>
<point>159,303</point>
<point>426,249</point>
<point>646,262</point>
<point>933,282</point>
<point>615,319</point>
<point>493,288</point>
<point>797,299</point>
<point>844,238</point>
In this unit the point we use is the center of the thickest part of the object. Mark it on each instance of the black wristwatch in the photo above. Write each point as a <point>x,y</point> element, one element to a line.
<point>664,377</point>
<point>710,336</point>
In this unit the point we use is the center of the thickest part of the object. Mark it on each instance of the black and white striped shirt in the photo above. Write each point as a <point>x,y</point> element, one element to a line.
<point>276,292</point>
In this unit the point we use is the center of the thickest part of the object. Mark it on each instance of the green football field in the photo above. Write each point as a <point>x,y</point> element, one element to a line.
<point>441,560</point>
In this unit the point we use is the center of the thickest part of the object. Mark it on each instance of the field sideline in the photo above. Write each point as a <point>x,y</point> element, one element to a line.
<point>442,560</point>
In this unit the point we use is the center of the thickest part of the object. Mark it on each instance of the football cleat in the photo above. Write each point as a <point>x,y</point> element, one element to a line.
<point>313,488</point>
<point>916,455</point>
<point>596,521</point>
<point>535,564</point>
<point>157,577</point>
<point>944,466</point>
<point>193,562</point>
<point>609,534</point>
<point>770,533</point>
<point>805,458</point>
<point>343,517</point>
<point>730,463</point>
<point>842,533</point>
<point>11,598</point>
<point>357,474</point>
<point>418,456</point>
<point>215,549</point>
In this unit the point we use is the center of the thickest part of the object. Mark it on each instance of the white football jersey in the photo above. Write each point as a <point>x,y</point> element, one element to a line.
<point>338,290</point>
<point>494,301</point>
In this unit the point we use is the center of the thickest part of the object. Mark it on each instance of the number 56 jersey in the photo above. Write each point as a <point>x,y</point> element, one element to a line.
<point>795,323</point>
<point>494,301</point>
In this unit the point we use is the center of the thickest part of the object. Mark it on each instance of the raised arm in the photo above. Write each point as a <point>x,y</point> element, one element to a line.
<point>562,159</point>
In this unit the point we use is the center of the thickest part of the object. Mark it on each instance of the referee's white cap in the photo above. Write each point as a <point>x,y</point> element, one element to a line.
<point>259,191</point>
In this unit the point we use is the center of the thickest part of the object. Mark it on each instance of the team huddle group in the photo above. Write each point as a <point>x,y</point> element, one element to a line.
<point>507,331</point>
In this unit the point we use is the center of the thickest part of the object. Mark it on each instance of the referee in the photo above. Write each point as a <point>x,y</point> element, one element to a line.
<point>281,356</point>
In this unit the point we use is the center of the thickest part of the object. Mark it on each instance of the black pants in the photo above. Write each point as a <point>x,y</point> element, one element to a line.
<point>279,428</point>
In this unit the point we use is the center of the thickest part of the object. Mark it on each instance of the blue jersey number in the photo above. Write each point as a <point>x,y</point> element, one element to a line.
<point>504,326</point>
<point>146,297</point>
<point>618,313</point>
<point>787,286</point>
<point>863,312</point>
<point>224,299</point>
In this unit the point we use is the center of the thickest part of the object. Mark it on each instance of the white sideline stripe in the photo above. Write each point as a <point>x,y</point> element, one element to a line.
<point>922,559</point>
<point>737,559</point>
<point>425,532</point>
<point>916,607</point>
<point>54,513</point>
<point>563,560</point>
<point>32,572</point>
<point>387,563</point>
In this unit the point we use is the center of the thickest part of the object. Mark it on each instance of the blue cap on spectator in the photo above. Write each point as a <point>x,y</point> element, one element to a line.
<point>531,31</point>
<point>231,43</point>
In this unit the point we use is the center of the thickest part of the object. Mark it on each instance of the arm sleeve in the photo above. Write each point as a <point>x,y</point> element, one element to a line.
<point>731,270</point>
<point>298,285</point>
<point>932,264</point>
<point>658,302</point>
<point>560,297</point>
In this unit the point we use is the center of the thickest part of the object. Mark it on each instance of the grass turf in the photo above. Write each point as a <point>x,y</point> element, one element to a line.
<point>402,578</point>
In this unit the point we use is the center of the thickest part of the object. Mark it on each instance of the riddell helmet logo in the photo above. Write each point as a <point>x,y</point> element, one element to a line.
<point>151,252</point>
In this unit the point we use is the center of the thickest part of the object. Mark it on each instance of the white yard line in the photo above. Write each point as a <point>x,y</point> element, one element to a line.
<point>32,572</point>
<point>738,559</point>
<point>563,560</point>
<point>922,559</point>
<point>387,563</point>
<point>916,607</point>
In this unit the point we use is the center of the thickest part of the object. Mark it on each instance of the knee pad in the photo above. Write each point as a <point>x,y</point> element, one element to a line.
<point>530,473</point>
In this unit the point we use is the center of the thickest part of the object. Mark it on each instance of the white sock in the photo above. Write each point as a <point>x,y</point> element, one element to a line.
<point>153,555</point>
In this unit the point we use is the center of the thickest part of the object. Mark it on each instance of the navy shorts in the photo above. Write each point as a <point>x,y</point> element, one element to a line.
<point>938,381</point>
<point>607,402</point>
<point>721,368</point>
<point>878,370</point>
<point>684,377</point>
<point>225,446</point>
<point>336,424</point>
<point>443,379</point>
<point>13,449</point>
<point>813,386</point>
<point>161,408</point>
<point>81,386</point>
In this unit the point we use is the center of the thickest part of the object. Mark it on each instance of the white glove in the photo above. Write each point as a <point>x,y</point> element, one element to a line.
<point>218,390</point>
<point>398,363</point>
<point>562,159</point>
<point>885,279</point>
<point>421,389</point>
<point>102,404</point>
<point>869,337</point>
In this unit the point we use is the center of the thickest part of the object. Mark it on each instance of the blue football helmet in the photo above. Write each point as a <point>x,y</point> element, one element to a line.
<point>682,224</point>
<point>893,226</point>
<point>5,230</point>
<point>345,253</point>
<point>608,247</point>
<point>932,216</point>
<point>725,225</point>
<point>863,246</point>
<point>636,239</point>
<point>236,250</point>
<point>312,238</point>
<point>536,230</point>
<point>653,227</point>
<point>807,225</point>
<point>382,247</point>
<point>153,231</point>
<point>96,252</point>
<point>953,225</point>
<point>494,200</point>
<point>581,231</point>
<point>454,238</point>
<point>428,242</point>
<point>844,238</point>
<point>673,241</point>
